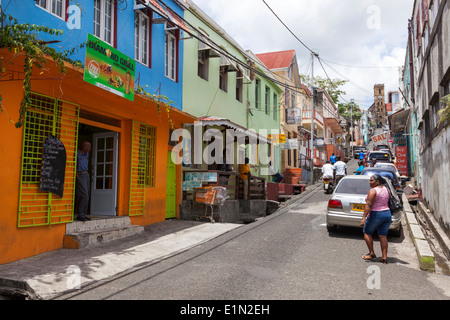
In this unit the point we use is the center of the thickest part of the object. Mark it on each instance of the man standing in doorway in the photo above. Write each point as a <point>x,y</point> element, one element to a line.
<point>244,174</point>
<point>83,186</point>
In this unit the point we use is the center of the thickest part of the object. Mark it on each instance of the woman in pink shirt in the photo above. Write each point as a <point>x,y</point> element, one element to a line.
<point>377,216</point>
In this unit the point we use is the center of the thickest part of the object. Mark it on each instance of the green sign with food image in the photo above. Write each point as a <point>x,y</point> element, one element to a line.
<point>108,68</point>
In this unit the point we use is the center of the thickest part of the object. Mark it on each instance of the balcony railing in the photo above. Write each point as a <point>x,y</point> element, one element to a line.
<point>317,116</point>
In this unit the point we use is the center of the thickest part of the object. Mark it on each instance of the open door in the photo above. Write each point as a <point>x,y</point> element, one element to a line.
<point>104,174</point>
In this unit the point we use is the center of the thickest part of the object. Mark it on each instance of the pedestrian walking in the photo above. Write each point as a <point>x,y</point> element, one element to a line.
<point>333,159</point>
<point>244,174</point>
<point>376,216</point>
<point>83,183</point>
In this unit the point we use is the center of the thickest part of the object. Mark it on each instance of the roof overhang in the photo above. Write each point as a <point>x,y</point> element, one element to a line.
<point>239,131</point>
<point>398,120</point>
<point>334,125</point>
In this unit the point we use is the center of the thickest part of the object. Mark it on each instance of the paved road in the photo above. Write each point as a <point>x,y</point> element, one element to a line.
<point>288,255</point>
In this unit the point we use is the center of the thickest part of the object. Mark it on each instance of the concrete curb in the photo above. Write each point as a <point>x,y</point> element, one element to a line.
<point>436,229</point>
<point>424,252</point>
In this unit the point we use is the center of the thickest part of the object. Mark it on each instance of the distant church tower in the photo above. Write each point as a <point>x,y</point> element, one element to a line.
<point>380,113</point>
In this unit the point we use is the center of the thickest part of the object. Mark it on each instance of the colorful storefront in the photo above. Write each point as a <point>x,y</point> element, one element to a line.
<point>131,169</point>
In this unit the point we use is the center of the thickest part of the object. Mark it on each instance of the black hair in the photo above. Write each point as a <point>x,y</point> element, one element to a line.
<point>378,178</point>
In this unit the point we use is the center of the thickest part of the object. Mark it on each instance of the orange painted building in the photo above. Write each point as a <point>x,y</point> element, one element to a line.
<point>130,149</point>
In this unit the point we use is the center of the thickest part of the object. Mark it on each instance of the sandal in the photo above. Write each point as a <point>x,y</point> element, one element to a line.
<point>384,261</point>
<point>369,256</point>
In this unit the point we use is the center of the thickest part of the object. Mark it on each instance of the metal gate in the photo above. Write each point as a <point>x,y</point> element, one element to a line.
<point>47,116</point>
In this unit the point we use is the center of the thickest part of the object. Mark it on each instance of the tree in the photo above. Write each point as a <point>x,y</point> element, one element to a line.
<point>22,40</point>
<point>332,86</point>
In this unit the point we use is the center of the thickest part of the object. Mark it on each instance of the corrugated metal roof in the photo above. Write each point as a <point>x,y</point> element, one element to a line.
<point>277,60</point>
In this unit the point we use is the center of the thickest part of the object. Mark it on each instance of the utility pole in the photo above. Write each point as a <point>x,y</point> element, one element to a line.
<point>351,126</point>
<point>312,117</point>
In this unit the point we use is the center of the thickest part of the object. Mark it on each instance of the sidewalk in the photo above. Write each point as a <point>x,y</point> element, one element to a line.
<point>51,274</point>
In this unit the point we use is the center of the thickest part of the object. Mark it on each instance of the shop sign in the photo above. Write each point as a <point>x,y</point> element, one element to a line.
<point>293,115</point>
<point>277,138</point>
<point>290,144</point>
<point>108,68</point>
<point>402,160</point>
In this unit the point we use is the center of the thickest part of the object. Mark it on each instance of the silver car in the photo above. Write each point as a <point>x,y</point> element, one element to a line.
<point>346,206</point>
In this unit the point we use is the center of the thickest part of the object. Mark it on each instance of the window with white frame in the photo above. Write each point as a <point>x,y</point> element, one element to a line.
<point>141,37</point>
<point>56,7</point>
<point>171,53</point>
<point>104,20</point>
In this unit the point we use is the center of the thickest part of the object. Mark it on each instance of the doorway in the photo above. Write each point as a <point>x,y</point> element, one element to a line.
<point>103,169</point>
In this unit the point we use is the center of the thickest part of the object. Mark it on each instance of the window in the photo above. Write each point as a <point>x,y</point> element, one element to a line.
<point>141,37</point>
<point>267,100</point>
<point>239,83</point>
<point>104,23</point>
<point>171,53</point>
<point>143,159</point>
<point>56,7</point>
<point>275,106</point>
<point>203,64</point>
<point>257,92</point>
<point>223,78</point>
<point>46,117</point>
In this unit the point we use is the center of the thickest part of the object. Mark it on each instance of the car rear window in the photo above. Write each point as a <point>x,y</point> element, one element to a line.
<point>384,174</point>
<point>379,156</point>
<point>353,186</point>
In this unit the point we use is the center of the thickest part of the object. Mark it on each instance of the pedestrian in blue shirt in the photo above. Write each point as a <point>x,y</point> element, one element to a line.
<point>360,168</point>
<point>83,186</point>
<point>333,159</point>
<point>361,155</point>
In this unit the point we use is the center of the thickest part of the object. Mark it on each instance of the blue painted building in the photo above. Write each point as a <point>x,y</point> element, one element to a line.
<point>144,30</point>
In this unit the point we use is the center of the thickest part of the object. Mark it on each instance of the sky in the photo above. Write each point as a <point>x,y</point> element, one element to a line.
<point>363,41</point>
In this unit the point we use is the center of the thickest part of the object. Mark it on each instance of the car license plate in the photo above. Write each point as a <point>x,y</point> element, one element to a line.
<point>358,207</point>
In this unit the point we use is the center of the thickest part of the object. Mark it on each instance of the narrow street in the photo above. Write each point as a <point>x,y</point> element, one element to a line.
<point>288,255</point>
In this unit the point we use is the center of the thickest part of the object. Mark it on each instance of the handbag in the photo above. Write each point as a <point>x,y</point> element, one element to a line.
<point>393,203</point>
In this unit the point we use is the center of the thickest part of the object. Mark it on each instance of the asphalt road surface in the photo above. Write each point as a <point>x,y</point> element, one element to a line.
<point>288,255</point>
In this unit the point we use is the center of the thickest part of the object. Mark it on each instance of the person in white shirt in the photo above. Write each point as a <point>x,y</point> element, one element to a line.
<point>341,169</point>
<point>328,170</point>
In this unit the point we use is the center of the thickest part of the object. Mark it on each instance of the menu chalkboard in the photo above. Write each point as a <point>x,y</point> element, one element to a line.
<point>53,169</point>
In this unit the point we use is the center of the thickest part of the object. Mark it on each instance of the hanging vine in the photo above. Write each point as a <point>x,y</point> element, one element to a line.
<point>160,100</point>
<point>22,40</point>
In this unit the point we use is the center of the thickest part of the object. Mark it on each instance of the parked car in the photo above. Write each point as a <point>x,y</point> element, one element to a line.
<point>357,150</point>
<point>346,206</point>
<point>381,156</point>
<point>380,146</point>
<point>388,151</point>
<point>391,166</point>
<point>385,173</point>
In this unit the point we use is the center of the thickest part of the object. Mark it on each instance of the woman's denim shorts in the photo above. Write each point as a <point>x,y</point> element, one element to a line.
<point>379,221</point>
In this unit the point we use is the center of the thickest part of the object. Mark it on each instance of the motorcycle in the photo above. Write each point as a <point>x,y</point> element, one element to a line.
<point>328,185</point>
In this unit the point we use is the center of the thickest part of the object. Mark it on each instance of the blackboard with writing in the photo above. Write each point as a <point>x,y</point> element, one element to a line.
<point>53,169</point>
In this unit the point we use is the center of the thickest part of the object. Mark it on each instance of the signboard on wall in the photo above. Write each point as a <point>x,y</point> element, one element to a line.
<point>108,68</point>
<point>293,115</point>
<point>53,167</point>
<point>402,160</point>
<point>380,138</point>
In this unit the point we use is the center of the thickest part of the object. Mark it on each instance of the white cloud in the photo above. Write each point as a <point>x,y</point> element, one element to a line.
<point>366,33</point>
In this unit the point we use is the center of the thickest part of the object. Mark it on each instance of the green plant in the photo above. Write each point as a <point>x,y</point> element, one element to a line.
<point>160,100</point>
<point>444,114</point>
<point>21,39</point>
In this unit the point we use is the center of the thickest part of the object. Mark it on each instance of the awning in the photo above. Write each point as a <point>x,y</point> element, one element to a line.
<point>398,120</point>
<point>334,125</point>
<point>240,130</point>
<point>167,14</point>
<point>225,61</point>
<point>205,44</point>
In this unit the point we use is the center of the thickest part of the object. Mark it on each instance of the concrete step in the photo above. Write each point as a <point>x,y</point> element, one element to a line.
<point>97,223</point>
<point>81,234</point>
